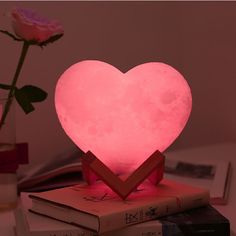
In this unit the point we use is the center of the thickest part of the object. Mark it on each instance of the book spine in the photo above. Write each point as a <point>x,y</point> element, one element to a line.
<point>63,233</point>
<point>153,228</point>
<point>152,211</point>
<point>163,228</point>
<point>214,229</point>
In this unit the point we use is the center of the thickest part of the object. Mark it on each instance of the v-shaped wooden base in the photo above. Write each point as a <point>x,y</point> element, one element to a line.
<point>152,168</point>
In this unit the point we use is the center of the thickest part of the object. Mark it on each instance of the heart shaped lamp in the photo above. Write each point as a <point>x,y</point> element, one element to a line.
<point>122,118</point>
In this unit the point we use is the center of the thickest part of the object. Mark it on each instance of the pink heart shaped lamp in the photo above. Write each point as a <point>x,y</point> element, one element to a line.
<point>122,118</point>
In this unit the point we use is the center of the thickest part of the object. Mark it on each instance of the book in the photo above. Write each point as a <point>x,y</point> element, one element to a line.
<point>200,221</point>
<point>208,170</point>
<point>204,221</point>
<point>213,175</point>
<point>68,175</point>
<point>60,171</point>
<point>97,208</point>
<point>30,224</point>
<point>201,167</point>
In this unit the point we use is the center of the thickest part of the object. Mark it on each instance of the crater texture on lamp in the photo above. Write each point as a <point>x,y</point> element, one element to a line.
<point>122,117</point>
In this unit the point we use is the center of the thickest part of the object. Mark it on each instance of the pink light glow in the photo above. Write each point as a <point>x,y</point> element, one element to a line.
<point>122,118</point>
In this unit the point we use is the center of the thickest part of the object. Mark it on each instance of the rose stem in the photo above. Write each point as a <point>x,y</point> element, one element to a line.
<point>13,85</point>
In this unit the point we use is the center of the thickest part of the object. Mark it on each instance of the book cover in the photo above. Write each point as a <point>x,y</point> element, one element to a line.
<point>204,221</point>
<point>97,208</point>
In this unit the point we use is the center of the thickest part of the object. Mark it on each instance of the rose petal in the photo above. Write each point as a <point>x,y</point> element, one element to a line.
<point>28,25</point>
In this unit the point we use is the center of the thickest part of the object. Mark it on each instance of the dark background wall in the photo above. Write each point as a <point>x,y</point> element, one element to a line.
<point>197,38</point>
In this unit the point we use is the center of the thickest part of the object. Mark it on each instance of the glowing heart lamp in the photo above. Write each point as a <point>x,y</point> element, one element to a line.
<point>122,118</point>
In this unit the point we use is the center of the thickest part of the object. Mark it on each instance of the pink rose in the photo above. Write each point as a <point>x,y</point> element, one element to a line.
<point>28,25</point>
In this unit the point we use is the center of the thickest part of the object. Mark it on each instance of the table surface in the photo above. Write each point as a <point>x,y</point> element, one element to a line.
<point>225,151</point>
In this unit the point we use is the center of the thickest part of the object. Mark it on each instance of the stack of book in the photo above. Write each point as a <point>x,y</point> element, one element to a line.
<point>168,209</point>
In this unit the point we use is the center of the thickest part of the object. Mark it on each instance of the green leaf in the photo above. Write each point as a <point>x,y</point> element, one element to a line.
<point>33,93</point>
<point>5,86</point>
<point>50,40</point>
<point>23,101</point>
<point>27,95</point>
<point>10,35</point>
